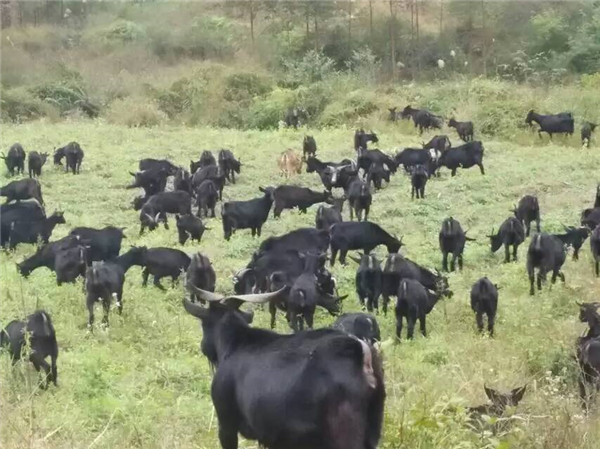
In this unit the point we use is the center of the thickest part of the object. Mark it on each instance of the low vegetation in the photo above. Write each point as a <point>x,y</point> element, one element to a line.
<point>143,382</point>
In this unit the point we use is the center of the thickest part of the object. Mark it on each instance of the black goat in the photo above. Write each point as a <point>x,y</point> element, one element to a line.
<point>586,133</point>
<point>189,227</point>
<point>364,236</point>
<point>595,247</point>
<point>528,210</point>
<point>452,240</point>
<point>588,353</point>
<point>32,231</point>
<point>359,325</point>
<point>484,301</point>
<point>422,118</point>
<point>307,367</point>
<point>73,155</point>
<point>546,253</point>
<point>368,281</point>
<point>22,189</point>
<point>327,216</point>
<point>359,199</point>
<point>200,274</point>
<point>361,139</point>
<point>398,267</point>
<point>418,180</point>
<point>414,302</point>
<point>511,233</point>
<point>229,164</point>
<point>463,129</point>
<point>207,195</point>
<point>15,159</point>
<point>38,333</point>
<point>163,262</point>
<point>562,123</point>
<point>104,281</point>
<point>574,237</point>
<point>250,214</point>
<point>35,162</point>
<point>309,147</point>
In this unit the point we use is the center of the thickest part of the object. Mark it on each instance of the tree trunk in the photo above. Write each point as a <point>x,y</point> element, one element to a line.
<point>441,17</point>
<point>316,33</point>
<point>307,21</point>
<point>371,19</point>
<point>393,40</point>
<point>483,39</point>
<point>252,21</point>
<point>349,22</point>
<point>418,50</point>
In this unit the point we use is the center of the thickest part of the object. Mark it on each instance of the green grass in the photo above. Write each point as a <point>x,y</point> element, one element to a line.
<point>143,382</point>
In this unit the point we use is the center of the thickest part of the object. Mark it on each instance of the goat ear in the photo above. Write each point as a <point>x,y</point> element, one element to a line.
<point>517,394</point>
<point>492,394</point>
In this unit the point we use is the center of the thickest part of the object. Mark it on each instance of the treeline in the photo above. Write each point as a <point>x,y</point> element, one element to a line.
<point>241,63</point>
<point>410,38</point>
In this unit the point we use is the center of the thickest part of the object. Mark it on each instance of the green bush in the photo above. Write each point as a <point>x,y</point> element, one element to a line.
<point>135,112</point>
<point>313,67</point>
<point>242,87</point>
<point>19,105</point>
<point>267,111</point>
<point>207,37</point>
<point>348,108</point>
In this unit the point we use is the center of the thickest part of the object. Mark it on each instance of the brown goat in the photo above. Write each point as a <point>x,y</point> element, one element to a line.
<point>289,163</point>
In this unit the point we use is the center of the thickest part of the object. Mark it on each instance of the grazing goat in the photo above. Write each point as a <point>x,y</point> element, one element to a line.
<point>414,302</point>
<point>511,233</point>
<point>38,333</point>
<point>15,160</point>
<point>289,162</point>
<point>365,236</point>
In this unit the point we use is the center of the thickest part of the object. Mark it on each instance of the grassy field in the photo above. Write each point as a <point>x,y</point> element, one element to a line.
<point>143,382</point>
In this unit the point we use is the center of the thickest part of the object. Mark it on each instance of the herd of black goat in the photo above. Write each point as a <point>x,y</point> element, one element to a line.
<point>326,386</point>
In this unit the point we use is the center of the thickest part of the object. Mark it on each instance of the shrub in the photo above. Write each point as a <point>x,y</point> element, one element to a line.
<point>313,67</point>
<point>135,112</point>
<point>19,105</point>
<point>242,87</point>
<point>267,111</point>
